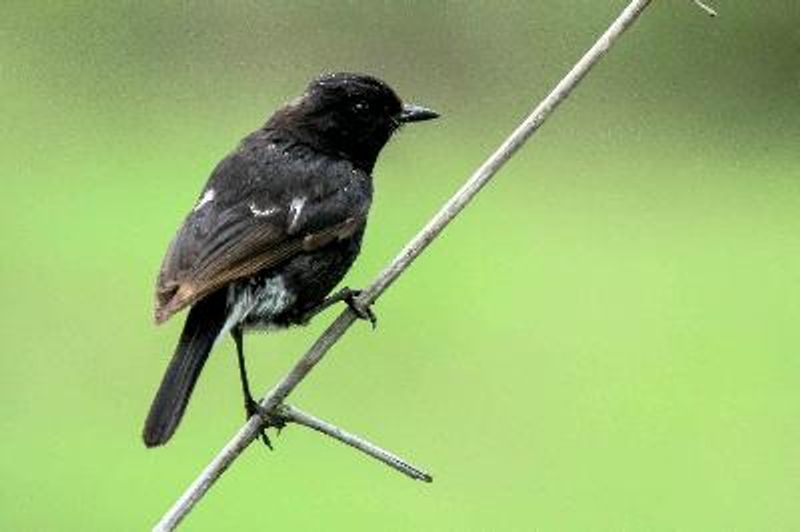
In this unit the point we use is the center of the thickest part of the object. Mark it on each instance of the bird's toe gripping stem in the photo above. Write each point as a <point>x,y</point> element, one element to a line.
<point>364,312</point>
<point>269,419</point>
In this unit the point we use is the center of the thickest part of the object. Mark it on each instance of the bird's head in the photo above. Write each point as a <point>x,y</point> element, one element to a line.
<point>352,115</point>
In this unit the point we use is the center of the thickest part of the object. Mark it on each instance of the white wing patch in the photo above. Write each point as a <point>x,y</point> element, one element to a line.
<point>208,197</point>
<point>294,211</point>
<point>262,212</point>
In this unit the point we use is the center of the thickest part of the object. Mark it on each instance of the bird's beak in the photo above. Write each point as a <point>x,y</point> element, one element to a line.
<point>416,113</point>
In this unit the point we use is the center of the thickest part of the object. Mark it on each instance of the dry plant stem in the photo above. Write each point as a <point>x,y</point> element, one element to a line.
<point>295,415</point>
<point>412,250</point>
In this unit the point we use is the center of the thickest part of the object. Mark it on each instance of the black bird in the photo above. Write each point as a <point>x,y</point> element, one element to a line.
<point>275,229</point>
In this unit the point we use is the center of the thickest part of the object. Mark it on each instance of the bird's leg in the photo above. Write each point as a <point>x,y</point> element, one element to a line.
<point>349,296</point>
<point>251,406</point>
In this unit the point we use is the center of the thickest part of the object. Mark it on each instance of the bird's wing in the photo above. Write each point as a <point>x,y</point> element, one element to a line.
<point>253,216</point>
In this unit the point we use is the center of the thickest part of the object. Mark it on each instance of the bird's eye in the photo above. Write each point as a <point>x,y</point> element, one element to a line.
<point>360,107</point>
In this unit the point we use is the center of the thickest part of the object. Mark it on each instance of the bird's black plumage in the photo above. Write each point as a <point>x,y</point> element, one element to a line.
<point>276,227</point>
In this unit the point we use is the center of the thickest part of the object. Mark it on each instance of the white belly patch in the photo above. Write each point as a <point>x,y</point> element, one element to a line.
<point>256,302</point>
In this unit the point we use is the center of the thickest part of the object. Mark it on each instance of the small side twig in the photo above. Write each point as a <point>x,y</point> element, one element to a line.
<point>295,415</point>
<point>710,11</point>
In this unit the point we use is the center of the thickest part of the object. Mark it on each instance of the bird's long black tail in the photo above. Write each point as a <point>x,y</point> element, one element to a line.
<point>203,324</point>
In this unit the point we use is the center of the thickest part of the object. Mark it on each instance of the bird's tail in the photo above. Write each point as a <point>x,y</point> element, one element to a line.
<point>202,327</point>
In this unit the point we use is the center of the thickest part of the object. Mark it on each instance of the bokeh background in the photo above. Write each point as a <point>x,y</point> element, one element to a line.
<point>607,339</point>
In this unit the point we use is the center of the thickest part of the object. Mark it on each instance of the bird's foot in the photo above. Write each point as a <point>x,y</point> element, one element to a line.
<point>349,296</point>
<point>364,312</point>
<point>252,408</point>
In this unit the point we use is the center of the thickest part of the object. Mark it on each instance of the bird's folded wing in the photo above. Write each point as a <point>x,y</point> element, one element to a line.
<point>211,251</point>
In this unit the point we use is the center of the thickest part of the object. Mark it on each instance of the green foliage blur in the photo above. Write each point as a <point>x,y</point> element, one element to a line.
<point>607,339</point>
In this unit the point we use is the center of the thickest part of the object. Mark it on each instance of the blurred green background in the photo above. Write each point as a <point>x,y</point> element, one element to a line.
<point>606,340</point>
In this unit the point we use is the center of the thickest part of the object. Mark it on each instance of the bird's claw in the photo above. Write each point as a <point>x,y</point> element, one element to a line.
<point>252,408</point>
<point>363,312</point>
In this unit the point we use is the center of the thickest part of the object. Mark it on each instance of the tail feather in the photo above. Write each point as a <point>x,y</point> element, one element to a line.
<point>203,326</point>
